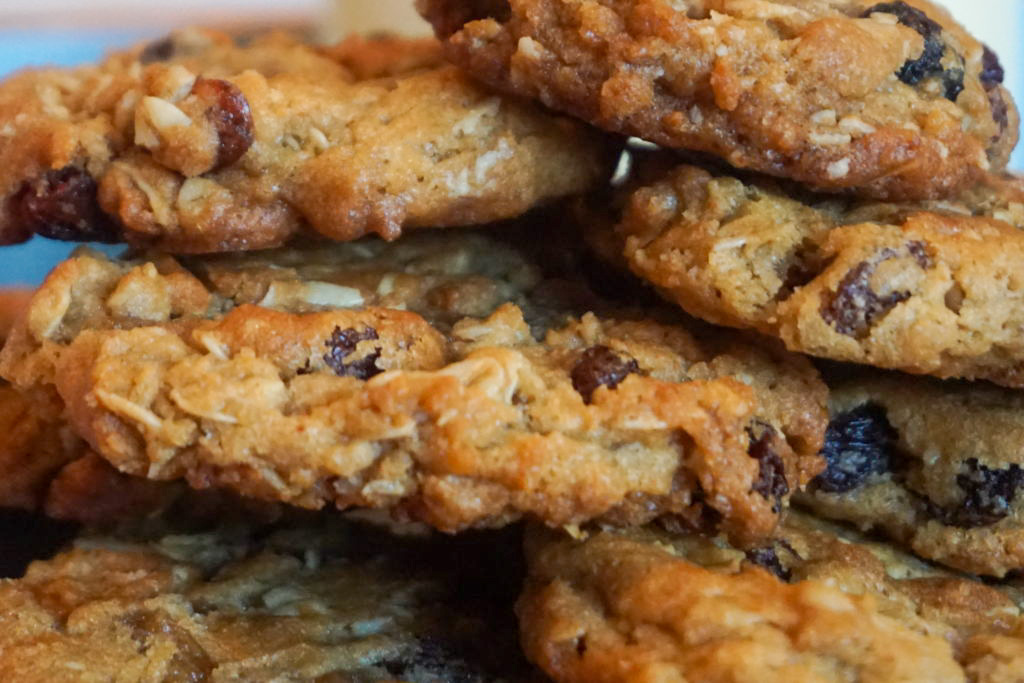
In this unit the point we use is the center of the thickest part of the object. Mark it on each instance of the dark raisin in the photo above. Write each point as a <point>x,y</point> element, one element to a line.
<point>499,10</point>
<point>342,344</point>
<point>771,481</point>
<point>698,517</point>
<point>992,73</point>
<point>988,494</point>
<point>158,51</point>
<point>929,63</point>
<point>1000,112</point>
<point>796,276</point>
<point>855,307</point>
<point>229,112</point>
<point>61,204</point>
<point>952,83</point>
<point>449,17</point>
<point>600,366</point>
<point>767,558</point>
<point>919,251</point>
<point>859,443</point>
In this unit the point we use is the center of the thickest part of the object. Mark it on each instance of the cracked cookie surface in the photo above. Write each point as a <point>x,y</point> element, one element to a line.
<point>295,602</point>
<point>817,604</point>
<point>196,145</point>
<point>926,288</point>
<point>890,100</point>
<point>935,465</point>
<point>405,377</point>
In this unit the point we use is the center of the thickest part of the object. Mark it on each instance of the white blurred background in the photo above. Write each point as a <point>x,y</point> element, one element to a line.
<point>75,31</point>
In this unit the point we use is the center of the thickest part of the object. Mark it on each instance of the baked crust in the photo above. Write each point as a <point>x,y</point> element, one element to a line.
<point>196,145</point>
<point>934,465</point>
<point>926,288</point>
<point>297,601</point>
<point>888,100</point>
<point>360,380</point>
<point>636,605</point>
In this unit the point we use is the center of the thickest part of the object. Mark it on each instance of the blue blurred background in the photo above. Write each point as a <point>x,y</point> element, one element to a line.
<point>67,33</point>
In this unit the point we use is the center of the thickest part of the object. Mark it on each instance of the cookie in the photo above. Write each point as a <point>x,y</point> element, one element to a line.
<point>819,604</point>
<point>934,465</point>
<point>405,377</point>
<point>46,468</point>
<point>33,443</point>
<point>384,55</point>
<point>305,602</point>
<point>891,100</point>
<point>12,303</point>
<point>34,447</point>
<point>195,145</point>
<point>926,288</point>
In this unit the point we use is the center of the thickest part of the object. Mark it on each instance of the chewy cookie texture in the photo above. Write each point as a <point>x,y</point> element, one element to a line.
<point>406,377</point>
<point>891,100</point>
<point>296,601</point>
<point>935,465</point>
<point>819,604</point>
<point>927,287</point>
<point>194,144</point>
<point>46,468</point>
<point>376,317</point>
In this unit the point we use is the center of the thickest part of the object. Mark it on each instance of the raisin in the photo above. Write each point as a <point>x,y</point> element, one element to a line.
<point>698,517</point>
<point>992,73</point>
<point>61,204</point>
<point>771,476</point>
<point>499,10</point>
<point>229,112</point>
<point>988,494</point>
<point>158,51</point>
<point>797,275</point>
<point>768,559</point>
<point>918,250</point>
<point>600,366</point>
<point>449,17</point>
<point>855,306</point>
<point>929,63</point>
<point>342,344</point>
<point>952,83</point>
<point>859,443</point>
<point>1000,112</point>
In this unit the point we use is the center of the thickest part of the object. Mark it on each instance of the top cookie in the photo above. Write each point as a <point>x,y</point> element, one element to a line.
<point>403,376</point>
<point>890,100</point>
<point>194,144</point>
<point>924,287</point>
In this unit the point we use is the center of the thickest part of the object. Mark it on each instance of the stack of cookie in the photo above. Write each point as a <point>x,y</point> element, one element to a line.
<point>385,301</point>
